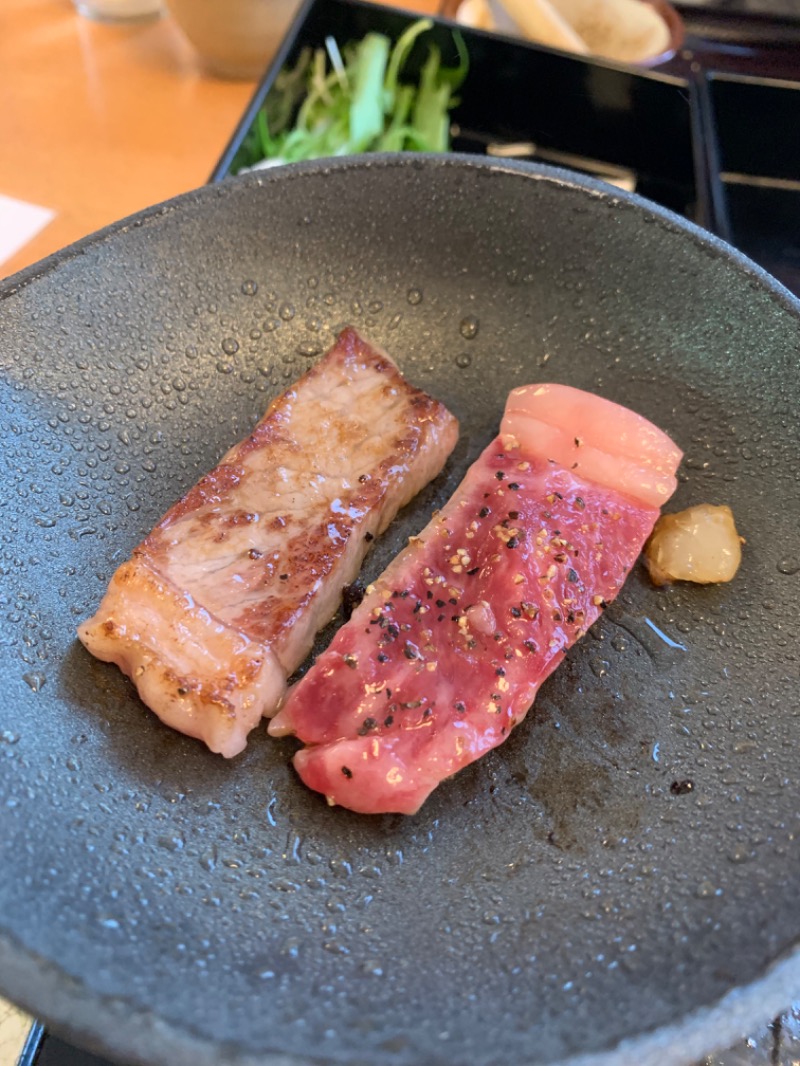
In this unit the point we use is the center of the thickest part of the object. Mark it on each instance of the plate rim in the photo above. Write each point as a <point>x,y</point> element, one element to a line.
<point>111,1025</point>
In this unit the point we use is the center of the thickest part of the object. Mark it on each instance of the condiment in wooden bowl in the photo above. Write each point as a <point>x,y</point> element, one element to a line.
<point>641,32</point>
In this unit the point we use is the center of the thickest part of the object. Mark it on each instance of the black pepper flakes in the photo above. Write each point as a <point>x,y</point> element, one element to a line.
<point>254,553</point>
<point>363,478</point>
<point>500,475</point>
<point>367,726</point>
<point>453,600</point>
<point>513,515</point>
<point>459,706</point>
<point>681,788</point>
<point>500,672</point>
<point>410,651</point>
<point>516,612</point>
<point>348,773</point>
<point>484,512</point>
<point>352,595</point>
<point>440,604</point>
<point>283,577</point>
<point>529,644</point>
<point>369,537</point>
<point>382,658</point>
<point>515,485</point>
<point>388,720</point>
<point>473,571</point>
<point>572,575</point>
<point>351,661</point>
<point>580,503</point>
<point>512,542</point>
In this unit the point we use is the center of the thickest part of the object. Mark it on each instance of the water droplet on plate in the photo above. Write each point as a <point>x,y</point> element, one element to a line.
<point>173,843</point>
<point>249,287</point>
<point>739,854</point>
<point>788,567</point>
<point>336,947</point>
<point>469,327</point>
<point>599,667</point>
<point>291,948</point>
<point>414,296</point>
<point>706,890</point>
<point>34,680</point>
<point>463,360</point>
<point>286,311</point>
<point>230,346</point>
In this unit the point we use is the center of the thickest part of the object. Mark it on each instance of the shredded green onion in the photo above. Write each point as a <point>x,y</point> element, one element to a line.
<point>341,102</point>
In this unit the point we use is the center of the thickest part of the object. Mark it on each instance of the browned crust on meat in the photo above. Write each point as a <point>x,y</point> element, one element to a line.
<point>256,553</point>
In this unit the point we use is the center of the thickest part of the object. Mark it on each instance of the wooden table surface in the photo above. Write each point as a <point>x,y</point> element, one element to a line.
<point>98,120</point>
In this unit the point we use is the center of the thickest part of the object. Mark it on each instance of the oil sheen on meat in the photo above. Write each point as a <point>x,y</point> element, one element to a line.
<point>447,651</point>
<point>220,603</point>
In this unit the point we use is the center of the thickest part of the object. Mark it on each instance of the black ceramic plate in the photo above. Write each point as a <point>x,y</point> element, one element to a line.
<point>564,900</point>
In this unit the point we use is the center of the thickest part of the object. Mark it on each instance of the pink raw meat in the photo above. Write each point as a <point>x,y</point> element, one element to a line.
<point>450,645</point>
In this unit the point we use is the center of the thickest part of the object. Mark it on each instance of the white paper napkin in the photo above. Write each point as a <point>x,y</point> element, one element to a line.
<point>19,223</point>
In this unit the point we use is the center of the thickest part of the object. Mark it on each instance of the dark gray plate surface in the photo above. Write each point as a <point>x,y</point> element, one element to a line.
<point>557,900</point>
